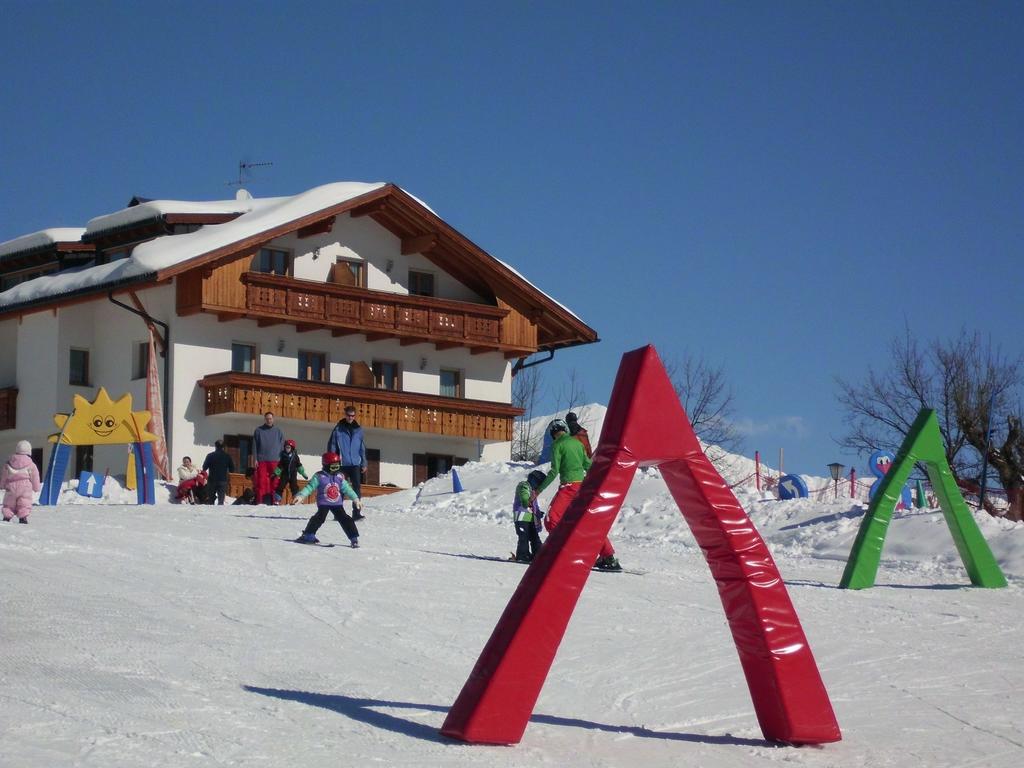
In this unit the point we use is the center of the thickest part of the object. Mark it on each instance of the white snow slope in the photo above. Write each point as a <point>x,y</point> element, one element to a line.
<point>171,635</point>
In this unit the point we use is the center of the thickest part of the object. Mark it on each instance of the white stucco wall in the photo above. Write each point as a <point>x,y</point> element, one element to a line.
<point>362,239</point>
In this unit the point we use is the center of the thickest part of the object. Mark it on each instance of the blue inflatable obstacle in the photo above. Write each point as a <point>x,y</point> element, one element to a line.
<point>49,494</point>
<point>456,482</point>
<point>879,464</point>
<point>792,487</point>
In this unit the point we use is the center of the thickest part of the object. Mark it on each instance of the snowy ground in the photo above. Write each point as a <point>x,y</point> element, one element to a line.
<point>180,636</point>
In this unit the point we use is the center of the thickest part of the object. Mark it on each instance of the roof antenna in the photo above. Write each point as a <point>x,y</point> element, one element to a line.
<point>243,172</point>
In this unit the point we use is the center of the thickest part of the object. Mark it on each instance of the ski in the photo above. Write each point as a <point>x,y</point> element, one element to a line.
<point>311,543</point>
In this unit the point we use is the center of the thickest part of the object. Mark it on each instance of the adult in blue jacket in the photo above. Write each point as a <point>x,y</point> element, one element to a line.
<point>347,441</point>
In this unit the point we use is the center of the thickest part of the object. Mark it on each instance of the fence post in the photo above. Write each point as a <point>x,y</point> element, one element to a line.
<point>853,482</point>
<point>757,469</point>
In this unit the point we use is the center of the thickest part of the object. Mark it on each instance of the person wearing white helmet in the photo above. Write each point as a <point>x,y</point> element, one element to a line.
<point>569,463</point>
<point>20,479</point>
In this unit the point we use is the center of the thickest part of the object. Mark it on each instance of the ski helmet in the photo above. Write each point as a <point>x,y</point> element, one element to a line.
<point>557,425</point>
<point>289,444</point>
<point>331,461</point>
<point>535,478</point>
<point>571,417</point>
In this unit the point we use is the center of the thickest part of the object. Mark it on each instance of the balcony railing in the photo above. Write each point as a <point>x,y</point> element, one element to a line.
<point>8,407</point>
<point>377,313</point>
<point>255,394</point>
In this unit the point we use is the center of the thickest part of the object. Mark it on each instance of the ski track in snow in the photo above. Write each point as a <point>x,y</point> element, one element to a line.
<point>180,636</point>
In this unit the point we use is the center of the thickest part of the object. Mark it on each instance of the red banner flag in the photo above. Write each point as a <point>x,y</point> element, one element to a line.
<point>154,404</point>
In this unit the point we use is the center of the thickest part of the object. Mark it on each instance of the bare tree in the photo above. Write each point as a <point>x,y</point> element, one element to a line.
<point>571,393</point>
<point>707,398</point>
<point>962,380</point>
<point>527,387</point>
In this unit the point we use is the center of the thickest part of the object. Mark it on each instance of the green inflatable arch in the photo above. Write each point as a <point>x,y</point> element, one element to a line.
<point>923,443</point>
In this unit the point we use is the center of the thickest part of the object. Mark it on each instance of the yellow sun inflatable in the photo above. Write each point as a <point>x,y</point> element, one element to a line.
<point>102,422</point>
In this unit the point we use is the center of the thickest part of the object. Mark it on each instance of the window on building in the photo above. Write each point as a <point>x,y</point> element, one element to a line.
<point>312,366</point>
<point>348,272</point>
<point>117,254</point>
<point>421,283</point>
<point>451,383</point>
<point>428,465</point>
<point>385,374</point>
<point>243,358</point>
<point>274,261</point>
<point>184,229</point>
<point>83,459</point>
<point>140,360</point>
<point>78,367</point>
<point>239,448</point>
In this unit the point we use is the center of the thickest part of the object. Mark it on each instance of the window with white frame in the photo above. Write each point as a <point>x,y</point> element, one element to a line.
<point>451,383</point>
<point>385,374</point>
<point>243,358</point>
<point>274,261</point>
<point>421,283</point>
<point>78,367</point>
<point>349,272</point>
<point>312,365</point>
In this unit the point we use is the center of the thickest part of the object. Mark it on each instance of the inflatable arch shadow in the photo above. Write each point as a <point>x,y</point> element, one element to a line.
<point>646,424</point>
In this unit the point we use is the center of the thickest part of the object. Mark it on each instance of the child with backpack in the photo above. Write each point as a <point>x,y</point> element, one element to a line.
<point>331,491</point>
<point>527,516</point>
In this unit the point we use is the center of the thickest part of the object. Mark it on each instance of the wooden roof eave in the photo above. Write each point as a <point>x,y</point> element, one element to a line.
<point>504,282</point>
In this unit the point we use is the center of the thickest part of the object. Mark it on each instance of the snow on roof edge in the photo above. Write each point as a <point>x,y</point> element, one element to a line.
<point>41,239</point>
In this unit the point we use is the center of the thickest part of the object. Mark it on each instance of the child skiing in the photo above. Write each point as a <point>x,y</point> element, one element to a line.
<point>288,468</point>
<point>527,516</point>
<point>20,479</point>
<point>330,486</point>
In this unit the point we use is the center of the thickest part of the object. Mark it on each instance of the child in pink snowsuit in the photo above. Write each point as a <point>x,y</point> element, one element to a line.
<point>19,478</point>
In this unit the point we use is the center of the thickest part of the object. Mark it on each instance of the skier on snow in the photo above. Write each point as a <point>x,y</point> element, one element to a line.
<point>331,490</point>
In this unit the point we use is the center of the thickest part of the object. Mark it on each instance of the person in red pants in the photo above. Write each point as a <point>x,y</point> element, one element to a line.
<point>569,463</point>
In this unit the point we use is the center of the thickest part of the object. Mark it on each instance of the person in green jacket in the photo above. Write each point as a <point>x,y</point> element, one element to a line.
<point>569,463</point>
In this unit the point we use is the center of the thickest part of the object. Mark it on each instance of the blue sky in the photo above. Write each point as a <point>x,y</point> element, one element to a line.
<point>775,187</point>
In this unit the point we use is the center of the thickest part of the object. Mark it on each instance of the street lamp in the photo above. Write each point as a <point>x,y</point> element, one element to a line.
<point>836,469</point>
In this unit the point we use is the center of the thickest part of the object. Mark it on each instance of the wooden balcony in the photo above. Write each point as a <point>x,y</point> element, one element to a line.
<point>255,394</point>
<point>8,407</point>
<point>312,305</point>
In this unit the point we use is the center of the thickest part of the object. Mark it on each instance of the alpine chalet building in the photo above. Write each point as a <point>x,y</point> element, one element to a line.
<point>349,293</point>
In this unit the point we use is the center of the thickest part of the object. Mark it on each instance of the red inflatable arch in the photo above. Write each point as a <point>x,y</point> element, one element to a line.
<point>646,425</point>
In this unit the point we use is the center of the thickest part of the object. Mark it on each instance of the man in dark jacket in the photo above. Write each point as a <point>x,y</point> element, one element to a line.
<point>346,440</point>
<point>217,465</point>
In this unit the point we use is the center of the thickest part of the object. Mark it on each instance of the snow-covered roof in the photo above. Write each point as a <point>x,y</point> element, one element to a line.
<point>261,215</point>
<point>154,209</point>
<point>42,239</point>
<point>258,215</point>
